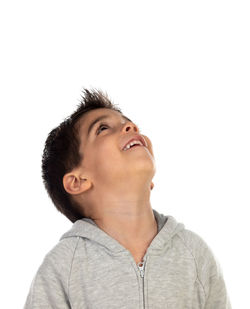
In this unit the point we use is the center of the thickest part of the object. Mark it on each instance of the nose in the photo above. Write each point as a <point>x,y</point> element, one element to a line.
<point>130,126</point>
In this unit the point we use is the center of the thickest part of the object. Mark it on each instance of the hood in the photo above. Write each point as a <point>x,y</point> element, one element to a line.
<point>86,228</point>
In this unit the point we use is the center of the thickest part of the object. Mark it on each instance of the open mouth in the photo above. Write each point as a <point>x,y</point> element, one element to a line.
<point>136,145</point>
<point>133,146</point>
<point>134,142</point>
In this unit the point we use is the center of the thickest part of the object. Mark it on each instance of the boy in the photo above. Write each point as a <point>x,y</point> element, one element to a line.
<point>120,253</point>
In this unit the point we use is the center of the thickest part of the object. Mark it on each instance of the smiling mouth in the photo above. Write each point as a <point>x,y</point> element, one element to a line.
<point>134,146</point>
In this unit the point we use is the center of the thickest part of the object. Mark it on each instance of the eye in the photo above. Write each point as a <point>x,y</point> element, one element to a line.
<point>101,126</point>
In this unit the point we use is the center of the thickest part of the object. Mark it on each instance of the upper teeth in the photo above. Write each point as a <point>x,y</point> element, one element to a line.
<point>131,144</point>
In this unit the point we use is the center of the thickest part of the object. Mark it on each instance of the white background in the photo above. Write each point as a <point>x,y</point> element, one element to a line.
<point>180,69</point>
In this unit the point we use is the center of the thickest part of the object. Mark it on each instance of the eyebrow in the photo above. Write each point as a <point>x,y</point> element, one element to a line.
<point>101,118</point>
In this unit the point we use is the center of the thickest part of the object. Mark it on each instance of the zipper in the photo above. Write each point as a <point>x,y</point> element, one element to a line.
<point>141,267</point>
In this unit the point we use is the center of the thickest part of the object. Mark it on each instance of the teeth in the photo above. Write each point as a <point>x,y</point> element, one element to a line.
<point>133,143</point>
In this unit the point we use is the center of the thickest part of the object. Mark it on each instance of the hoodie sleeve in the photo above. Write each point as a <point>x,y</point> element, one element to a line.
<point>210,274</point>
<point>217,296</point>
<point>49,288</point>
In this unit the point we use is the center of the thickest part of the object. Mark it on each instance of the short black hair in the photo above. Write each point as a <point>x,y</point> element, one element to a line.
<point>61,153</point>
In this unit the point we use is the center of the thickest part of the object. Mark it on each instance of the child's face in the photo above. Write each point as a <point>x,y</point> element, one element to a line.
<point>103,158</point>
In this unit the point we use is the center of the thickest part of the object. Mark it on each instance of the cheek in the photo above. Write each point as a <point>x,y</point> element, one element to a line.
<point>106,155</point>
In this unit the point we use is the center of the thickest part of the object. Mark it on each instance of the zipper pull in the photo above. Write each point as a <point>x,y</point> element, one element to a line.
<point>141,268</point>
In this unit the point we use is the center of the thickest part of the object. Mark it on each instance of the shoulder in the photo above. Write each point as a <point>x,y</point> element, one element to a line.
<point>193,241</point>
<point>59,259</point>
<point>64,248</point>
<point>206,261</point>
<point>49,286</point>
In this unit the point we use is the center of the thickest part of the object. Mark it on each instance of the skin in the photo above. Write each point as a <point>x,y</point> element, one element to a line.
<point>115,185</point>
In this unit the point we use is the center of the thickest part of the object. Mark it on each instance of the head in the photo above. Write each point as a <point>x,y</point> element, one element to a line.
<point>83,156</point>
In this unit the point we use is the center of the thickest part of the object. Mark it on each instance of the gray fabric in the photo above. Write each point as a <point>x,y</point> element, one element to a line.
<point>90,269</point>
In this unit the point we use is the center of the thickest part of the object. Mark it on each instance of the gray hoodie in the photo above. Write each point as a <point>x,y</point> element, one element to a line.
<point>89,269</point>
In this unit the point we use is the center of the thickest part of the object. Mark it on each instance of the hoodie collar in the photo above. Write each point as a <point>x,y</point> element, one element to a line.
<point>87,228</point>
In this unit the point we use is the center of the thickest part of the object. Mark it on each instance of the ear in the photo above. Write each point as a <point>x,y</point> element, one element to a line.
<point>75,184</point>
<point>152,186</point>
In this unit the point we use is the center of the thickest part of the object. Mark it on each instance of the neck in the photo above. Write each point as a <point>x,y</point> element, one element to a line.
<point>129,219</point>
